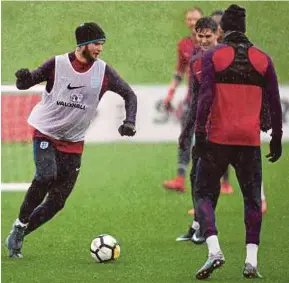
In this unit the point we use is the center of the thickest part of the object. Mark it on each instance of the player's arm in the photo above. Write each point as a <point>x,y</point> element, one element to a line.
<point>272,92</point>
<point>204,103</point>
<point>26,79</point>
<point>205,94</point>
<point>177,77</point>
<point>121,87</point>
<point>194,87</point>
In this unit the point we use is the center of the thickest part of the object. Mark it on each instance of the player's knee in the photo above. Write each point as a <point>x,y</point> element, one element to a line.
<point>59,203</point>
<point>46,177</point>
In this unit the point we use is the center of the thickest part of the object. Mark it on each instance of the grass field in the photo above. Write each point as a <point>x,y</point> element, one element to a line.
<point>141,36</point>
<point>119,192</point>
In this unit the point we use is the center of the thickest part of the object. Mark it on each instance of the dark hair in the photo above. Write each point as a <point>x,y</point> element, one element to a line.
<point>206,23</point>
<point>217,13</point>
<point>193,9</point>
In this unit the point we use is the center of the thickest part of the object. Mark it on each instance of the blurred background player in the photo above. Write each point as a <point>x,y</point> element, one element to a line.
<point>178,183</point>
<point>185,50</point>
<point>235,75</point>
<point>76,82</point>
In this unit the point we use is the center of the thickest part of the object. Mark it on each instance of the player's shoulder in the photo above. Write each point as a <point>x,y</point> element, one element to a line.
<point>49,63</point>
<point>186,41</point>
<point>254,50</point>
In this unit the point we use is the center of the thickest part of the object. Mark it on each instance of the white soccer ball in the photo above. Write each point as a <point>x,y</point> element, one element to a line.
<point>104,248</point>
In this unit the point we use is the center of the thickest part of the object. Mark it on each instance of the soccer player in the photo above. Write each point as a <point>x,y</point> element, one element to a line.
<point>238,81</point>
<point>76,82</point>
<point>185,49</point>
<point>207,35</point>
<point>226,186</point>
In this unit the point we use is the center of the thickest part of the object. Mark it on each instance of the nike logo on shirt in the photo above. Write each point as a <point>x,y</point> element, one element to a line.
<point>74,87</point>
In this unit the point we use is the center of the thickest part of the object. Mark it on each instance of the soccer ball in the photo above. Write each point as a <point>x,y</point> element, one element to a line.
<point>104,248</point>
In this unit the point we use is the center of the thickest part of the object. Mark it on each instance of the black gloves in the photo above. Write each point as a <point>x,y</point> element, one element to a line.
<point>127,129</point>
<point>275,149</point>
<point>168,106</point>
<point>23,75</point>
<point>200,148</point>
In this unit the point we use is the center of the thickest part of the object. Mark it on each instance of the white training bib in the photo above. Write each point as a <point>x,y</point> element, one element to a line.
<point>67,111</point>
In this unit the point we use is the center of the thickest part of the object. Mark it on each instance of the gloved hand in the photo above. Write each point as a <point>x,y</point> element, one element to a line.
<point>127,129</point>
<point>275,149</point>
<point>23,75</point>
<point>168,105</point>
<point>200,144</point>
<point>168,100</point>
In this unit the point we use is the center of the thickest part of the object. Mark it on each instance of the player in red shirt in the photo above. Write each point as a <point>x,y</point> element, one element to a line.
<point>226,187</point>
<point>185,48</point>
<point>239,94</point>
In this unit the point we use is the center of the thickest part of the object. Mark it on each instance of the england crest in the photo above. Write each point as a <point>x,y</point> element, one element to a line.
<point>95,82</point>
<point>44,144</point>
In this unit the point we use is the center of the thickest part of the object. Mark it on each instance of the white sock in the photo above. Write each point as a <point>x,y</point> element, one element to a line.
<point>252,254</point>
<point>213,244</point>
<point>196,225</point>
<point>19,223</point>
<point>262,192</point>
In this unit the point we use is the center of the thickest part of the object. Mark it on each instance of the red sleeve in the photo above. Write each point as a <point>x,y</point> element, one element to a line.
<point>181,60</point>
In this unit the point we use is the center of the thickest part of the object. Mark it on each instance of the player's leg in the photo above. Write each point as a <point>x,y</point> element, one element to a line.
<point>263,198</point>
<point>45,163</point>
<point>209,172</point>
<point>67,173</point>
<point>195,226</point>
<point>226,187</point>
<point>178,183</point>
<point>248,166</point>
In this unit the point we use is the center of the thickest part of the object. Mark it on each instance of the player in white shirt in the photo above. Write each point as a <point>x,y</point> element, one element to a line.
<point>75,84</point>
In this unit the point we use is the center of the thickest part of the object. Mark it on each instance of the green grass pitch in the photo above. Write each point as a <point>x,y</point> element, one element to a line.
<point>141,36</point>
<point>119,188</point>
<point>119,192</point>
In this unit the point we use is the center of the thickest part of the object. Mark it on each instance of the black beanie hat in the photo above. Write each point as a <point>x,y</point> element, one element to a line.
<point>234,19</point>
<point>88,33</point>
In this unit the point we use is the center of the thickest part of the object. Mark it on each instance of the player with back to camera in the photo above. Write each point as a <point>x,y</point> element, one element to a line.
<point>239,97</point>
<point>226,186</point>
<point>75,84</point>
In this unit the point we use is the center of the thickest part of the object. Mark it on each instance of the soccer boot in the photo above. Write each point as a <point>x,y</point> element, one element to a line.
<point>197,238</point>
<point>250,271</point>
<point>176,184</point>
<point>264,206</point>
<point>213,262</point>
<point>226,188</point>
<point>186,237</point>
<point>14,241</point>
